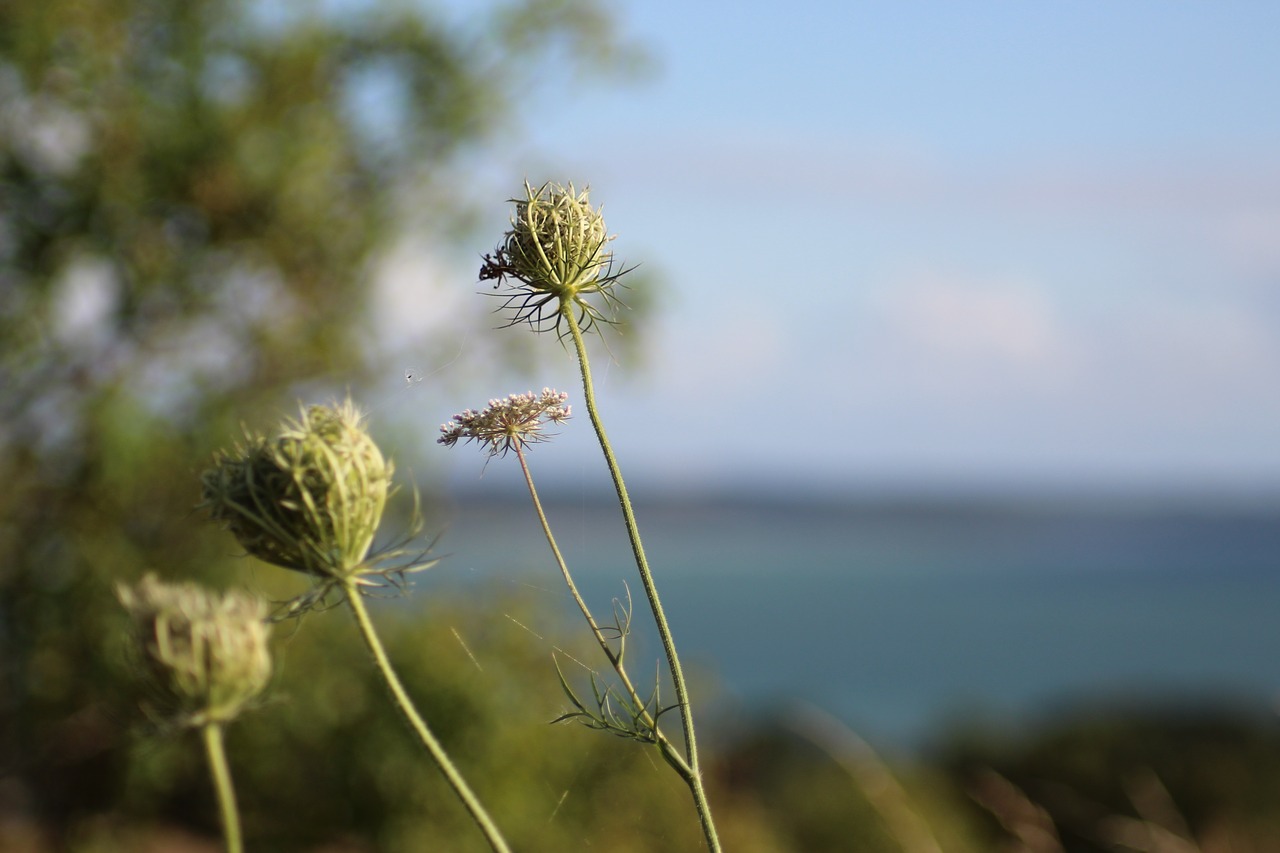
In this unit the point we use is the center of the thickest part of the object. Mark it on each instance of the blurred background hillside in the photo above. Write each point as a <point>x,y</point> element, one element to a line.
<point>947,393</point>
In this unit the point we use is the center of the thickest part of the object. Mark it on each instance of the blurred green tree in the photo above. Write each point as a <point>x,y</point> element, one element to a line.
<point>191,195</point>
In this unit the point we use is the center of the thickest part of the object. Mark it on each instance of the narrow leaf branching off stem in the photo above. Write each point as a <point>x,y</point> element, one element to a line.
<point>642,723</point>
<point>560,275</point>
<point>694,776</point>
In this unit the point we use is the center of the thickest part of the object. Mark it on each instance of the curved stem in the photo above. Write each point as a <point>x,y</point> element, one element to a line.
<point>419,725</point>
<point>646,577</point>
<point>669,751</point>
<point>212,734</point>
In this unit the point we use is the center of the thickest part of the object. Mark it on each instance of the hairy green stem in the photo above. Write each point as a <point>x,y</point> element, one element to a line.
<point>419,725</point>
<point>694,779</point>
<point>669,751</point>
<point>221,773</point>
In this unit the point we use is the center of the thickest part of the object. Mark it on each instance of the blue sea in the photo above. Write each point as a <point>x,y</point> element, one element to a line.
<point>905,617</point>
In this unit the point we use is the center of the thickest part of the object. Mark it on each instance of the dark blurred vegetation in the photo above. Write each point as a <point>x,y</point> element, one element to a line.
<point>1154,777</point>
<point>207,177</point>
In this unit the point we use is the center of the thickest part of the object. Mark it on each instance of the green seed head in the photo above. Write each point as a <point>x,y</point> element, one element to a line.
<point>556,253</point>
<point>310,498</point>
<point>205,654</point>
<point>557,240</point>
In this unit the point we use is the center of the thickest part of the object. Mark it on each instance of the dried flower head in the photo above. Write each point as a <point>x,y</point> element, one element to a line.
<point>309,498</point>
<point>204,653</point>
<point>507,424</point>
<point>556,253</point>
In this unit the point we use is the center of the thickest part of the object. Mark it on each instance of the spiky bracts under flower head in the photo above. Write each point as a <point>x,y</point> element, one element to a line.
<point>308,498</point>
<point>507,424</point>
<point>205,654</point>
<point>556,253</point>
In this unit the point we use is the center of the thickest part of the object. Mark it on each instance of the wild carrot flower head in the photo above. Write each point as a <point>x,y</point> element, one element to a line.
<point>507,424</point>
<point>556,254</point>
<point>308,498</point>
<point>204,653</point>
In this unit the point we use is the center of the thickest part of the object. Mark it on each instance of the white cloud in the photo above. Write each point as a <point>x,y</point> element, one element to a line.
<point>965,317</point>
<point>793,167</point>
<point>1249,240</point>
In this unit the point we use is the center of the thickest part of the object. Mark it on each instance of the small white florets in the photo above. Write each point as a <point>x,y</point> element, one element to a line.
<point>507,424</point>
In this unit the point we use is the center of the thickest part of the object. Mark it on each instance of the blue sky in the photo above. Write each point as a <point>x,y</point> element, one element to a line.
<point>910,244</point>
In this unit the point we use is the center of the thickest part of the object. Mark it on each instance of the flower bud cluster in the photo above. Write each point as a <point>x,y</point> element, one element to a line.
<point>309,498</point>
<point>205,654</point>
<point>556,252</point>
<point>508,424</point>
<point>557,239</point>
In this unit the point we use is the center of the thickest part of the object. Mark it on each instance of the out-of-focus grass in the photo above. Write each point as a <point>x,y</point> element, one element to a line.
<point>326,764</point>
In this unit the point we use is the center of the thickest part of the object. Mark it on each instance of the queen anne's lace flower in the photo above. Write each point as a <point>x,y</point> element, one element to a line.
<point>308,498</point>
<point>555,257</point>
<point>508,424</point>
<point>204,653</point>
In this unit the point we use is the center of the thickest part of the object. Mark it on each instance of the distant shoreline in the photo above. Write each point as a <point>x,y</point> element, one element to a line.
<point>1001,501</point>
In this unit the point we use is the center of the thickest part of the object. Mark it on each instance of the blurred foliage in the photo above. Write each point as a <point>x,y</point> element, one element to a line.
<point>328,760</point>
<point>1160,778</point>
<point>191,198</point>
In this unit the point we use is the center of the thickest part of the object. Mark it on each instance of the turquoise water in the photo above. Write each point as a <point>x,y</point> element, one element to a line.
<point>899,619</point>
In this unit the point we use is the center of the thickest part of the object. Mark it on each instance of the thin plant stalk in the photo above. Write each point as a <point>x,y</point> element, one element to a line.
<point>481,817</point>
<point>230,815</point>
<point>669,751</point>
<point>694,777</point>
